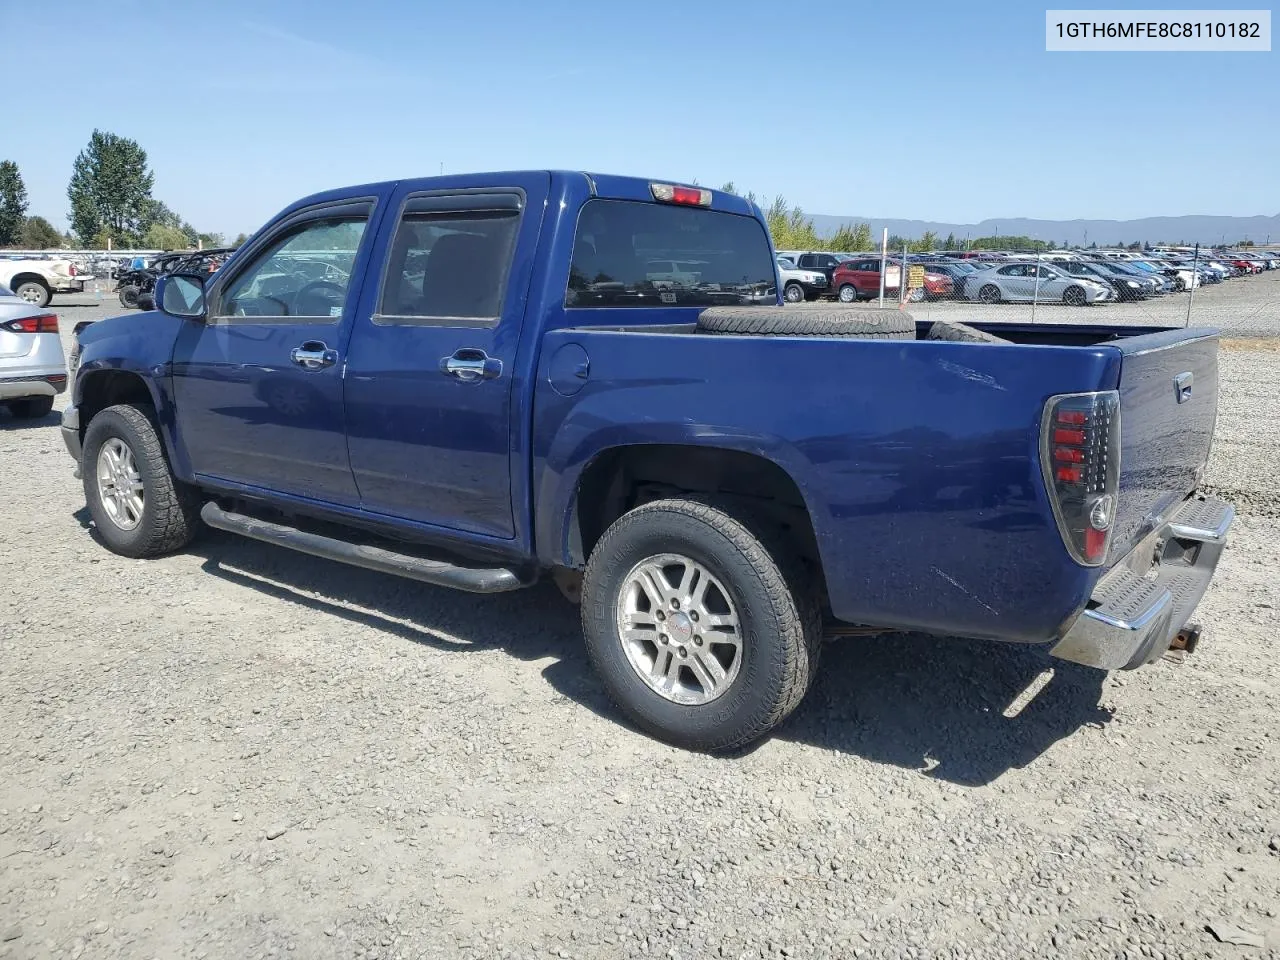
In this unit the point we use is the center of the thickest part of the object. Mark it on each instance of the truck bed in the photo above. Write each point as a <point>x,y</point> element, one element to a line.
<point>918,460</point>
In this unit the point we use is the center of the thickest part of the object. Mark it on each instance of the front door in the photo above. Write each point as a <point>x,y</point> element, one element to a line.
<point>433,356</point>
<point>258,385</point>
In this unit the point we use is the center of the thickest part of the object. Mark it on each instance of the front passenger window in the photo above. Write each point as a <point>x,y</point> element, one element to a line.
<point>304,273</point>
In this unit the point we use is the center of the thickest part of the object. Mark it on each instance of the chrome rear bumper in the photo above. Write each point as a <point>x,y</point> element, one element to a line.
<point>1137,610</point>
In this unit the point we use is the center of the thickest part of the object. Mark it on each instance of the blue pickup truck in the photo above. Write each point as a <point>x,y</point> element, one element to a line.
<point>476,381</point>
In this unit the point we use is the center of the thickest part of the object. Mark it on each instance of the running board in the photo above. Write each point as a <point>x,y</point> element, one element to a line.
<point>470,579</point>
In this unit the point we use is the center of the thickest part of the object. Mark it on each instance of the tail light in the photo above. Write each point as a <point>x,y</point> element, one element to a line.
<point>1080,458</point>
<point>45,323</point>
<point>71,269</point>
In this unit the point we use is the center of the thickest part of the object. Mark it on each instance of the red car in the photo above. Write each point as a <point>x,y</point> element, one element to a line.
<point>859,279</point>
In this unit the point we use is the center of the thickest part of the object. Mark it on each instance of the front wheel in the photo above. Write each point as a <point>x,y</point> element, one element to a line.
<point>793,293</point>
<point>989,294</point>
<point>1073,297</point>
<point>848,293</point>
<point>704,630</point>
<point>128,295</point>
<point>139,508</point>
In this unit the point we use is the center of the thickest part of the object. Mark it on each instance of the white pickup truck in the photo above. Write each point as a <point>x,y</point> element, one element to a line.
<point>36,281</point>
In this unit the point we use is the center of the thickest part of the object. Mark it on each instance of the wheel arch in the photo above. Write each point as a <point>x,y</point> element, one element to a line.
<point>619,477</point>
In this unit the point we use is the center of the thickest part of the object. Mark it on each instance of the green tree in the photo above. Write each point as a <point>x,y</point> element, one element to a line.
<point>207,240</point>
<point>1007,243</point>
<point>13,203</point>
<point>240,239</point>
<point>39,234</point>
<point>161,237</point>
<point>110,190</point>
<point>950,242</point>
<point>897,243</point>
<point>851,238</point>
<point>789,227</point>
<point>728,188</point>
<point>926,244</point>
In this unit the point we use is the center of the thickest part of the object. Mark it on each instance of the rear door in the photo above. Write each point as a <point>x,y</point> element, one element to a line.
<point>430,367</point>
<point>258,385</point>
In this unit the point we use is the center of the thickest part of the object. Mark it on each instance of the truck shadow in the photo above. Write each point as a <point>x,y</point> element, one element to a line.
<point>917,702</point>
<point>938,705</point>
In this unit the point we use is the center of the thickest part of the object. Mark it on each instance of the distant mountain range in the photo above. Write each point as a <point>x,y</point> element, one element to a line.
<point>1189,229</point>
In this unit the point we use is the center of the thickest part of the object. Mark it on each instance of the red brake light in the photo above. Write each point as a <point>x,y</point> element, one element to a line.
<point>1068,436</point>
<point>1095,544</point>
<point>1069,474</point>
<point>1077,417</point>
<point>71,269</point>
<point>45,323</point>
<point>689,196</point>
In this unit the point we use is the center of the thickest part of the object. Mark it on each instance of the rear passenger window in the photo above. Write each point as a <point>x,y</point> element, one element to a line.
<point>448,263</point>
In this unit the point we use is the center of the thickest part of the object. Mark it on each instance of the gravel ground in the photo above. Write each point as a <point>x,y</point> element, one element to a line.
<point>243,752</point>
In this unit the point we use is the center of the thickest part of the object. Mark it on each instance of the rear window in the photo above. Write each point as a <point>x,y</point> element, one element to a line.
<point>633,254</point>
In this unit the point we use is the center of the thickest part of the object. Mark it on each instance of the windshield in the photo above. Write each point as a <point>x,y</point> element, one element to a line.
<point>634,254</point>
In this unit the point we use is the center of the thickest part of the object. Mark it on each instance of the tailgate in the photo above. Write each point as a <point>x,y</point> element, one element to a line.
<point>1168,406</point>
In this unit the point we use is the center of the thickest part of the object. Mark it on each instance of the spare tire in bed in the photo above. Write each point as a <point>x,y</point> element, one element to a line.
<point>960,333</point>
<point>817,320</point>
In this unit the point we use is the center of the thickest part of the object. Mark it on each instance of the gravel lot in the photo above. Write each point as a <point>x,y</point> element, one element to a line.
<point>242,752</point>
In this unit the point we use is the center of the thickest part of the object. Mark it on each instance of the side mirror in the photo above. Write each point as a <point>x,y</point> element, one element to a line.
<point>181,295</point>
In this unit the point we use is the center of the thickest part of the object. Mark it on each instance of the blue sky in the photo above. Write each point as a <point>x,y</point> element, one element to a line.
<point>933,110</point>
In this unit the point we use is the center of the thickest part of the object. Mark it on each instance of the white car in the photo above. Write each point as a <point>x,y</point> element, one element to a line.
<point>36,281</point>
<point>800,285</point>
<point>1032,281</point>
<point>33,369</point>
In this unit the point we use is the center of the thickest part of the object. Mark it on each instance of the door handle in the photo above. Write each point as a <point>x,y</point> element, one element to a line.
<point>313,355</point>
<point>471,366</point>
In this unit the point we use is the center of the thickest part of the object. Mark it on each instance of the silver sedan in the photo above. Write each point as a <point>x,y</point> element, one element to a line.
<point>33,369</point>
<point>1024,282</point>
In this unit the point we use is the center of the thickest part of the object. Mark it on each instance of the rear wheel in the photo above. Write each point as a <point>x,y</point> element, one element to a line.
<point>1073,296</point>
<point>793,293</point>
<point>704,629</point>
<point>31,408</point>
<point>139,508</point>
<point>34,292</point>
<point>848,293</point>
<point>989,294</point>
<point>128,295</point>
<point>916,294</point>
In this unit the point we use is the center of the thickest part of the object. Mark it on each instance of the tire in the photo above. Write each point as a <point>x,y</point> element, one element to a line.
<point>146,300</point>
<point>793,293</point>
<point>1179,285</point>
<point>989,294</point>
<point>916,295</point>
<point>816,319</point>
<point>169,517</point>
<point>128,296</point>
<point>848,293</point>
<point>778,616</point>
<point>31,408</point>
<point>1074,296</point>
<point>960,333</point>
<point>34,292</point>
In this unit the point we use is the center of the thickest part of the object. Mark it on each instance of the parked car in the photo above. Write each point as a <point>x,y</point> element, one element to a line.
<point>33,369</point>
<point>825,263</point>
<point>36,280</point>
<point>859,279</point>
<point>1127,286</point>
<point>465,411</point>
<point>1029,280</point>
<point>800,285</point>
